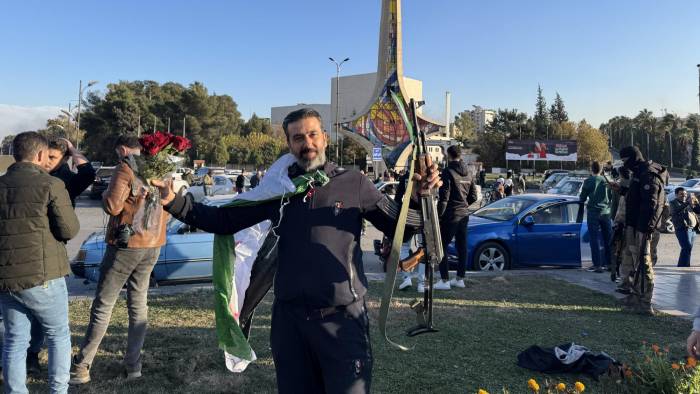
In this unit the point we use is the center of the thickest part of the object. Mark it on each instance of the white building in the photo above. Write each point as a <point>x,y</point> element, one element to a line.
<point>481,117</point>
<point>279,113</point>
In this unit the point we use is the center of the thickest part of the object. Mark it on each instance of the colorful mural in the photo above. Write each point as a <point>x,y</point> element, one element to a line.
<point>382,124</point>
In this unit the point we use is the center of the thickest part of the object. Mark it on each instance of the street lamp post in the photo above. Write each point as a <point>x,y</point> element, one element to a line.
<point>80,101</point>
<point>337,104</point>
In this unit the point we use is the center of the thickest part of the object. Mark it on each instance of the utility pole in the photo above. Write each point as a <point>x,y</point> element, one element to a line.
<point>337,106</point>
<point>168,125</point>
<point>184,120</point>
<point>80,101</point>
<point>154,124</point>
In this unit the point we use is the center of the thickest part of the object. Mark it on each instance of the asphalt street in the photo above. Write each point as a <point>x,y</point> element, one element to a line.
<point>92,219</point>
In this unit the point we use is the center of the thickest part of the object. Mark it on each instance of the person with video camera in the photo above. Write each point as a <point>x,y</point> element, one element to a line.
<point>129,259</point>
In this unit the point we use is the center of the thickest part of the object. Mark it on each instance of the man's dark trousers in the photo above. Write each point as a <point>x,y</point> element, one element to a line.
<point>455,227</point>
<point>319,353</point>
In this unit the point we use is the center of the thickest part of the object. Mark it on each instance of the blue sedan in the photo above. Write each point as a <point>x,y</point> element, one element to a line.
<point>527,230</point>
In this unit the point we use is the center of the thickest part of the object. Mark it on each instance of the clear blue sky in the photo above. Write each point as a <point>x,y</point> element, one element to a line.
<point>604,57</point>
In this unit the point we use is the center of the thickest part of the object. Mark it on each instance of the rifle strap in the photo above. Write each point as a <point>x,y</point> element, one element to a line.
<point>393,260</point>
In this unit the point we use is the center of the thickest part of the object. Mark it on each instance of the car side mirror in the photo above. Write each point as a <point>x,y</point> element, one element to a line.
<point>528,220</point>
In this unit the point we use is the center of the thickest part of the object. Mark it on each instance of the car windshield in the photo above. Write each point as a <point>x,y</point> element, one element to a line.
<point>570,188</point>
<point>554,178</point>
<point>689,183</point>
<point>505,209</point>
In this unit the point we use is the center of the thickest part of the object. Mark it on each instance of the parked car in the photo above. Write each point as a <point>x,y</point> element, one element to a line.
<point>552,180</point>
<point>527,230</point>
<point>185,257</point>
<point>691,186</point>
<point>203,170</point>
<point>571,187</point>
<point>222,185</point>
<point>102,177</point>
<point>387,187</point>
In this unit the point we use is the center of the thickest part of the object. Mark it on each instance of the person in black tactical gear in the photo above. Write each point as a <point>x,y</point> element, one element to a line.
<point>320,328</point>
<point>644,203</point>
<point>457,193</point>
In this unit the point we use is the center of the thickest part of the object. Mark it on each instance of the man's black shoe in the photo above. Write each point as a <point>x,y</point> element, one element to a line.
<point>622,290</point>
<point>33,367</point>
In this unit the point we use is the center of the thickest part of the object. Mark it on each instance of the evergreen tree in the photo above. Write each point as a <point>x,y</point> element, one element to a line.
<point>557,112</point>
<point>541,115</point>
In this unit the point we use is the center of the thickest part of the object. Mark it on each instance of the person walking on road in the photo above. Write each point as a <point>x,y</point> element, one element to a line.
<point>208,183</point>
<point>684,215</point>
<point>598,195</point>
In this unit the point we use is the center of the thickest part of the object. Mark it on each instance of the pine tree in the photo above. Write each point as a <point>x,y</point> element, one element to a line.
<point>541,114</point>
<point>557,112</point>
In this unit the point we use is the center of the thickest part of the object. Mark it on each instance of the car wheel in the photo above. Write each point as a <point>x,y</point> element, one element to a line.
<point>491,256</point>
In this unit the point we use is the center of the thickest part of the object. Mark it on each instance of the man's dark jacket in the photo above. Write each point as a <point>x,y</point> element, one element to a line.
<point>457,192</point>
<point>320,260</point>
<point>76,183</point>
<point>36,218</point>
<point>645,198</point>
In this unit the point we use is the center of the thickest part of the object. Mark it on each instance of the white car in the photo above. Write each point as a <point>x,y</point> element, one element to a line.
<point>387,187</point>
<point>222,185</point>
<point>691,186</point>
<point>569,186</point>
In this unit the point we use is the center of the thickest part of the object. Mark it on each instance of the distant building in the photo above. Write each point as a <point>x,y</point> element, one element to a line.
<point>481,118</point>
<point>279,113</point>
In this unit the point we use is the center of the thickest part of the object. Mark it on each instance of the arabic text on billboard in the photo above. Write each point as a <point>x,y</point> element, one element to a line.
<point>541,150</point>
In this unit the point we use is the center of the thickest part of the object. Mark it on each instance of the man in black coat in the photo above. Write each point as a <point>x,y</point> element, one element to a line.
<point>644,203</point>
<point>320,329</point>
<point>60,150</point>
<point>457,193</point>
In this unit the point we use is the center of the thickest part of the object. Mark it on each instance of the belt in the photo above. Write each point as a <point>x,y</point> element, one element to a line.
<point>318,314</point>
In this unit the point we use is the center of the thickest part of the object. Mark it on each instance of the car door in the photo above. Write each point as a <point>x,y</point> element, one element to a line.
<point>552,236</point>
<point>188,253</point>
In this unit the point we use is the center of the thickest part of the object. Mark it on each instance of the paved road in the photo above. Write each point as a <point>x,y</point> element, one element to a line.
<point>677,289</point>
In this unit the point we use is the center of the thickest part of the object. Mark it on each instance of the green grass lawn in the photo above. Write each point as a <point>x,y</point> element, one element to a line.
<point>482,329</point>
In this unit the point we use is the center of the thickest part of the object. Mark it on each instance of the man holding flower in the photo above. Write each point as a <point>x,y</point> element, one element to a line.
<point>132,251</point>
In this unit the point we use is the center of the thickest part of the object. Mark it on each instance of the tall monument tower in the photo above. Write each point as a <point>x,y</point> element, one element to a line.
<point>380,123</point>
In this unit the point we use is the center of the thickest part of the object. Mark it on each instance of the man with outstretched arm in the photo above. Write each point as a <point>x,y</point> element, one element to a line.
<point>320,332</point>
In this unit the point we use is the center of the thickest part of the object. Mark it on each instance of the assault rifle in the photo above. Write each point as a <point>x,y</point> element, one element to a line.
<point>431,240</point>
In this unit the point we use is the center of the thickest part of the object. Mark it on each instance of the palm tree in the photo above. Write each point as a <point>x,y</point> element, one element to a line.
<point>669,126</point>
<point>646,123</point>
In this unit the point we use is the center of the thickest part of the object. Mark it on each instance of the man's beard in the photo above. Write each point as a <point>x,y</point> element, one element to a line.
<point>314,163</point>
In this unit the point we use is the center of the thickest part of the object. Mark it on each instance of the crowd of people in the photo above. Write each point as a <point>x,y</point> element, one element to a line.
<point>320,285</point>
<point>37,218</point>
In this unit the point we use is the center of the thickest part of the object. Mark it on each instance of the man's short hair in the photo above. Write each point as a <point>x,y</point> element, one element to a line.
<point>128,140</point>
<point>595,167</point>
<point>59,145</point>
<point>454,152</point>
<point>679,189</point>
<point>26,145</point>
<point>299,114</point>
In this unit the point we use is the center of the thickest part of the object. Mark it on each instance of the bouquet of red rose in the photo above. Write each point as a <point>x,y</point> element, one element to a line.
<point>156,162</point>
